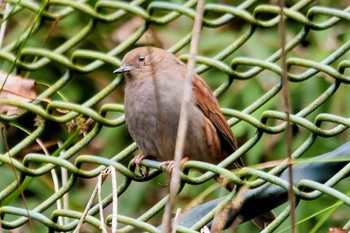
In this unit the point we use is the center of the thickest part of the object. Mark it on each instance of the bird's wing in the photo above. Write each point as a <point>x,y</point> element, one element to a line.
<point>209,105</point>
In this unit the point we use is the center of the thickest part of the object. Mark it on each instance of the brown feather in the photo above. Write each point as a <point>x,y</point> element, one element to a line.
<point>209,105</point>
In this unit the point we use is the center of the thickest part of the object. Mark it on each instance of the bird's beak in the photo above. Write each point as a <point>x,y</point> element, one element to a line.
<point>122,69</point>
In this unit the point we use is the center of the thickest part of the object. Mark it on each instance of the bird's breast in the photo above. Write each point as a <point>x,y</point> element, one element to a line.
<point>152,112</point>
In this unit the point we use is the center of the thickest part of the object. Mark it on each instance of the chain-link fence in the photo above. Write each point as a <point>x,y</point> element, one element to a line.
<point>57,144</point>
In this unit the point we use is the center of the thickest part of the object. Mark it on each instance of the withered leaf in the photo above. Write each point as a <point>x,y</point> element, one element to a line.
<point>15,88</point>
<point>337,230</point>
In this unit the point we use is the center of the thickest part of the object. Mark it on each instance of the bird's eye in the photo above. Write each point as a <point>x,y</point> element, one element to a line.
<point>142,58</point>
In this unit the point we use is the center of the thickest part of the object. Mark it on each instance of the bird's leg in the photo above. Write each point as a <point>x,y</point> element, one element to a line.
<point>169,165</point>
<point>137,160</point>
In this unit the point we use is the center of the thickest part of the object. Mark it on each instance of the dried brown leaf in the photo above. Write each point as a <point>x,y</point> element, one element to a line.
<point>337,230</point>
<point>15,88</point>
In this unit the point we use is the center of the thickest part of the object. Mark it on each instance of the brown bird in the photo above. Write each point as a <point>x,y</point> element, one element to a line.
<point>154,88</point>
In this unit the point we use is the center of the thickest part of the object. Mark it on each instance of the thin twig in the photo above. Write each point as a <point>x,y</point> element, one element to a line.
<point>176,219</point>
<point>64,180</point>
<point>115,200</point>
<point>181,134</point>
<point>54,176</point>
<point>99,188</point>
<point>287,109</point>
<point>221,218</point>
<point>87,208</point>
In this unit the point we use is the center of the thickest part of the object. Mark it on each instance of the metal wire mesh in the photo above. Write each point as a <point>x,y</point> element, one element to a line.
<point>244,57</point>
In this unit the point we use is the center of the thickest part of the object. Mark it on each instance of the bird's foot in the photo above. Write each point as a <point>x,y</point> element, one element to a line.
<point>169,165</point>
<point>137,160</point>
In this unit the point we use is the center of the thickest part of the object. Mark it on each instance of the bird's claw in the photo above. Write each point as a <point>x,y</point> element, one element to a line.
<point>137,160</point>
<point>169,165</point>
